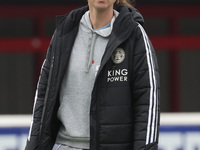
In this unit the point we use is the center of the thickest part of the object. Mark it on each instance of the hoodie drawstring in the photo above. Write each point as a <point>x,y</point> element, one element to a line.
<point>91,51</point>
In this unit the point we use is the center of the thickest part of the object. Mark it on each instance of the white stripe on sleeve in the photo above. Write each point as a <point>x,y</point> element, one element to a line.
<point>153,115</point>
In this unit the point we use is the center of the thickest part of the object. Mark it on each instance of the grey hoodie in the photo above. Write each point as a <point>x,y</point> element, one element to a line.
<point>77,85</point>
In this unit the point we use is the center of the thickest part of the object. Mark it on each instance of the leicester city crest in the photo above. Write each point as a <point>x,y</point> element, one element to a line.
<point>118,56</point>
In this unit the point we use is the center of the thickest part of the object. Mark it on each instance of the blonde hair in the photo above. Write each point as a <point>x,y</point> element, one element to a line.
<point>125,2</point>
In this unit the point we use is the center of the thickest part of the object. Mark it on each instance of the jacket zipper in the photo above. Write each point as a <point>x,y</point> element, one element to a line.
<point>97,112</point>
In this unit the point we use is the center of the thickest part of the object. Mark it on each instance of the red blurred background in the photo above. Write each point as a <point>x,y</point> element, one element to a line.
<point>25,33</point>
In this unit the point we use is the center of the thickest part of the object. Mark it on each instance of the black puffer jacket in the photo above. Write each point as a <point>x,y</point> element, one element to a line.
<point>124,113</point>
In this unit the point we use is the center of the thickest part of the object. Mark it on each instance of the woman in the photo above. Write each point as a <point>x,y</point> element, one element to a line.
<point>99,84</point>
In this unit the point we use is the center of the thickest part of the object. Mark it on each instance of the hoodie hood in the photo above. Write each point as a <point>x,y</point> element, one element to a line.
<point>86,26</point>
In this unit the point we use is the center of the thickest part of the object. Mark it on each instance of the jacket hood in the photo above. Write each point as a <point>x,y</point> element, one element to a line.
<point>125,23</point>
<point>133,12</point>
<point>71,20</point>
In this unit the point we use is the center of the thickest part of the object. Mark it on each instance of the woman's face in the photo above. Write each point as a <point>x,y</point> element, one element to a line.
<point>101,5</point>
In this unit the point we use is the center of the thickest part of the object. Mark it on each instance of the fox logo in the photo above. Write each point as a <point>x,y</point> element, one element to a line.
<point>118,56</point>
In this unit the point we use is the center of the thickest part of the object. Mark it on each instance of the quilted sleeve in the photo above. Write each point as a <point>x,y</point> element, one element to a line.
<point>145,92</point>
<point>32,142</point>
